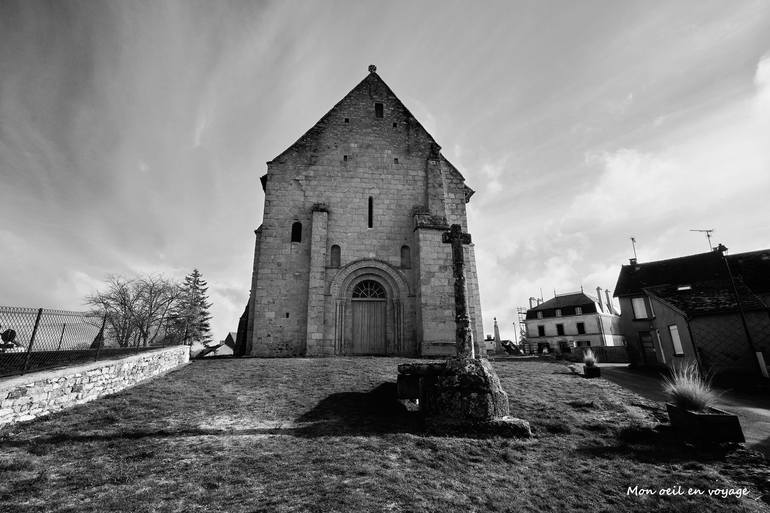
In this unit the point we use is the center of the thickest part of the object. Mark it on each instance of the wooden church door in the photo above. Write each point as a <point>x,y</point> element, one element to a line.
<point>368,318</point>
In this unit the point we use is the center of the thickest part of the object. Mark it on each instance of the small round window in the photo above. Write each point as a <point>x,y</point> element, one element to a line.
<point>368,289</point>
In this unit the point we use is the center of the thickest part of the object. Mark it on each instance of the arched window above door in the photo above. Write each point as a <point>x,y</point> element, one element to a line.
<point>368,289</point>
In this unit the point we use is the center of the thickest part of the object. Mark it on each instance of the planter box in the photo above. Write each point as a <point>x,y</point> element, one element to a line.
<point>714,425</point>
<point>592,372</point>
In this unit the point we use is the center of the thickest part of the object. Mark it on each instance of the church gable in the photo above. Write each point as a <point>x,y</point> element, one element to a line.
<point>369,109</point>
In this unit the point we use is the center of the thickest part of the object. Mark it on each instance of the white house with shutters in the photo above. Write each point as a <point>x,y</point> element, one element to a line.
<point>573,320</point>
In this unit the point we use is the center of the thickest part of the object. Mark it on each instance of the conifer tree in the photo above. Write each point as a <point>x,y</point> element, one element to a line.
<point>192,315</point>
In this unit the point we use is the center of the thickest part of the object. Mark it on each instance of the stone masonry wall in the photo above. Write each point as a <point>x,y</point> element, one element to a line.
<point>26,397</point>
<point>350,155</point>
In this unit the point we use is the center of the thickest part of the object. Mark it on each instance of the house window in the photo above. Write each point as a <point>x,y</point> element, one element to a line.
<point>639,305</point>
<point>539,315</point>
<point>560,329</point>
<point>581,327</point>
<point>673,330</point>
<point>578,310</point>
<point>395,160</point>
<point>371,212</point>
<point>541,331</point>
<point>558,312</point>
<point>345,158</point>
<point>583,343</point>
<point>296,232</point>
<point>347,120</point>
<point>378,110</point>
<point>406,257</point>
<point>335,257</point>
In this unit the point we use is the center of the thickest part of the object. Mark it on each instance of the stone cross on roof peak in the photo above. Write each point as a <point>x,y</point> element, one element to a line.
<point>372,68</point>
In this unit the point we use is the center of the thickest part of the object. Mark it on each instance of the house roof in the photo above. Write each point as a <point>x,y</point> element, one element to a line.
<point>230,339</point>
<point>576,299</point>
<point>707,297</point>
<point>752,269</point>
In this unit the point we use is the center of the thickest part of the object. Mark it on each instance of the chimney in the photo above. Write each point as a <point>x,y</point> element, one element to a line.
<point>532,302</point>
<point>632,261</point>
<point>610,304</point>
<point>497,332</point>
<point>599,297</point>
<point>539,300</point>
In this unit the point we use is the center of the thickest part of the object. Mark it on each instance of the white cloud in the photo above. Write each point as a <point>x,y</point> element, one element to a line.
<point>717,161</point>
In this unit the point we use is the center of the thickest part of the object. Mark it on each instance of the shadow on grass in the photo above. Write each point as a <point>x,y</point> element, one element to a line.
<point>375,412</point>
<point>658,444</point>
<point>355,413</point>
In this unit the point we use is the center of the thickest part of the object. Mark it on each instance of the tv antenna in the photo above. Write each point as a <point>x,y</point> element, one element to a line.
<point>708,236</point>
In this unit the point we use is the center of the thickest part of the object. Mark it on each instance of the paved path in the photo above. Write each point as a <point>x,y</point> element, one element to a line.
<point>753,410</point>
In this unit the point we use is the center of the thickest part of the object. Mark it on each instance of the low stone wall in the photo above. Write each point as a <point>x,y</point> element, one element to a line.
<point>32,395</point>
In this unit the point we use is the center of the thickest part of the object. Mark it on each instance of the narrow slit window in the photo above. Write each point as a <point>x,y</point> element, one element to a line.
<point>347,120</point>
<point>335,257</point>
<point>395,160</point>
<point>406,257</point>
<point>345,158</point>
<point>371,212</point>
<point>395,125</point>
<point>296,232</point>
<point>379,110</point>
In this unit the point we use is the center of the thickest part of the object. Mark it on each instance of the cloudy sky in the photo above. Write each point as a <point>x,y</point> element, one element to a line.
<point>133,134</point>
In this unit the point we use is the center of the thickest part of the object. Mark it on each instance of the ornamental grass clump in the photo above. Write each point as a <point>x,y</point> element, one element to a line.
<point>688,389</point>
<point>589,358</point>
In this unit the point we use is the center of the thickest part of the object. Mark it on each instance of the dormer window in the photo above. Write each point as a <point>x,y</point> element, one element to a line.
<point>558,312</point>
<point>539,315</point>
<point>578,310</point>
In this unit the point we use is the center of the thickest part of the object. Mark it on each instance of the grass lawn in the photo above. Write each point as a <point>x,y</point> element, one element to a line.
<point>325,435</point>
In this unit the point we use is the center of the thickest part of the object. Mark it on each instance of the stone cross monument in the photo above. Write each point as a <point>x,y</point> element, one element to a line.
<point>463,335</point>
<point>461,394</point>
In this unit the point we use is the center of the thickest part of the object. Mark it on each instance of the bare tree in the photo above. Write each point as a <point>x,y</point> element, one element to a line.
<point>156,297</point>
<point>137,309</point>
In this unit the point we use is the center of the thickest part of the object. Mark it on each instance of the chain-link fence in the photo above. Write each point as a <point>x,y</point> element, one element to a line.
<point>38,338</point>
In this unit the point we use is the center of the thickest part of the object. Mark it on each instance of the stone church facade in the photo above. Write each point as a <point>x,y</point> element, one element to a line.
<point>349,258</point>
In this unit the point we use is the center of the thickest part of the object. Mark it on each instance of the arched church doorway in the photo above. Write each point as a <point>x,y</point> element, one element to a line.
<point>369,307</point>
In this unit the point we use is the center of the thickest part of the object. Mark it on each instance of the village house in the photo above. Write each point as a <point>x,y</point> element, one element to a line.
<point>575,320</point>
<point>693,308</point>
<point>349,258</point>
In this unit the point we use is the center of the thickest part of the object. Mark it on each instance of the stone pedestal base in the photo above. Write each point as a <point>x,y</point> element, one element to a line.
<point>461,395</point>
